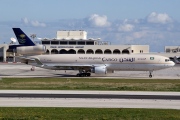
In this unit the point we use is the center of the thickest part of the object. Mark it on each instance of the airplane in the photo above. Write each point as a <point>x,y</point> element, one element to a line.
<point>89,63</point>
<point>99,63</point>
<point>26,45</point>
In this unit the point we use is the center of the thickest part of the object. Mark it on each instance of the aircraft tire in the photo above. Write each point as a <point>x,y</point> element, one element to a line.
<point>150,76</point>
<point>78,75</point>
<point>88,74</point>
<point>82,75</point>
<point>32,69</point>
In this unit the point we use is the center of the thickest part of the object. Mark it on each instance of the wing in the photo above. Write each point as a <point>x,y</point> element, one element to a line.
<point>25,59</point>
<point>71,66</point>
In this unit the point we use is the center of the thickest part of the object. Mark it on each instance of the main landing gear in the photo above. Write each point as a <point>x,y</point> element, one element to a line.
<point>83,74</point>
<point>150,74</point>
<point>33,68</point>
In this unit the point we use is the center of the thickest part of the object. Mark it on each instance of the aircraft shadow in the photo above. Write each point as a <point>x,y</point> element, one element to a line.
<point>65,75</point>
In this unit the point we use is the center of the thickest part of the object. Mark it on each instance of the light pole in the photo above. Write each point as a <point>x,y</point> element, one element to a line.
<point>33,36</point>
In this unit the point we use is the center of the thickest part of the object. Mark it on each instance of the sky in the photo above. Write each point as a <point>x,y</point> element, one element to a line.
<point>138,22</point>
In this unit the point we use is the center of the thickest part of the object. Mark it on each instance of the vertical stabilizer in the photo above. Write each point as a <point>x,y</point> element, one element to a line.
<point>22,38</point>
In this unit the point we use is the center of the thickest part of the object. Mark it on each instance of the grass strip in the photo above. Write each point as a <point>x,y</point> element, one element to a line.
<point>87,114</point>
<point>89,84</point>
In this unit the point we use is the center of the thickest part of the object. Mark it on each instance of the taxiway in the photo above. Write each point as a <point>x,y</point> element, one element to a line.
<point>22,70</point>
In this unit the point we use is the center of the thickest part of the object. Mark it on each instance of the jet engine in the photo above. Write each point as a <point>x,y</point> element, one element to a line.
<point>38,49</point>
<point>99,70</point>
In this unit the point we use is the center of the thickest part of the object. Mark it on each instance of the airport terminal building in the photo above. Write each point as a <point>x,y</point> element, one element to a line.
<point>76,42</point>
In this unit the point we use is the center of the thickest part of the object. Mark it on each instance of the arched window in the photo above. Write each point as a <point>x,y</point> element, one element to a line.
<point>62,51</point>
<point>71,51</point>
<point>81,51</point>
<point>116,51</point>
<point>98,51</point>
<point>54,51</point>
<point>125,51</point>
<point>89,51</point>
<point>107,51</point>
<point>47,51</point>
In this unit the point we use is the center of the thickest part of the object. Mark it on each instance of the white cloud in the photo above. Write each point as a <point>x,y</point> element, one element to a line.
<point>162,18</point>
<point>132,31</point>
<point>37,23</point>
<point>25,20</point>
<point>99,21</point>
<point>125,20</point>
<point>136,21</point>
<point>126,27</point>
<point>33,23</point>
<point>140,34</point>
<point>136,35</point>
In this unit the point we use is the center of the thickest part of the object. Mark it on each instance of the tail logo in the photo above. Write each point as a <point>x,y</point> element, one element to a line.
<point>22,38</point>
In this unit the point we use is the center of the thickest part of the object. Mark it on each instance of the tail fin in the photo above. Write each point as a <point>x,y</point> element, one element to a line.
<point>22,38</point>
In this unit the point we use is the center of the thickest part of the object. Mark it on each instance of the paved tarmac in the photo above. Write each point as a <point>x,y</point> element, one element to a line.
<point>22,70</point>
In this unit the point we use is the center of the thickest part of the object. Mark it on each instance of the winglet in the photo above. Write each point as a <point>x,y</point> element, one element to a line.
<point>22,38</point>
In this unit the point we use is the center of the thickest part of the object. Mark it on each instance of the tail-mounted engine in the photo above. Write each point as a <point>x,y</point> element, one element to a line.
<point>24,50</point>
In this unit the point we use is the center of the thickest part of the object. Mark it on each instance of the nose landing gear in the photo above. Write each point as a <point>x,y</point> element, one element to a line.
<point>33,68</point>
<point>150,74</point>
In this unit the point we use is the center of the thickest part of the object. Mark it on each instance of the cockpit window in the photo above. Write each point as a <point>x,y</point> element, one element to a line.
<point>166,60</point>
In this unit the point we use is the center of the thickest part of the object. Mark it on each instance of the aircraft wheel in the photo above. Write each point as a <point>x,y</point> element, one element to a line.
<point>82,75</point>
<point>78,75</point>
<point>88,74</point>
<point>32,69</point>
<point>150,76</point>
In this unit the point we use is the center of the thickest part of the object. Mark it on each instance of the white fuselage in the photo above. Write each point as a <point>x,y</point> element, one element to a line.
<point>121,62</point>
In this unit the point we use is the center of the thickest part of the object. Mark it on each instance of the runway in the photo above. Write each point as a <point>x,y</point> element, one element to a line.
<point>91,96</point>
<point>90,99</point>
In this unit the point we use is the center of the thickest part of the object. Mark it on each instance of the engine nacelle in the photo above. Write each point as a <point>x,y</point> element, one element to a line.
<point>38,49</point>
<point>99,70</point>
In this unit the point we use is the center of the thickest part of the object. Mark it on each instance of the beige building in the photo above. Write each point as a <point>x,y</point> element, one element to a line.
<point>63,34</point>
<point>90,47</point>
<point>172,49</point>
<point>76,42</point>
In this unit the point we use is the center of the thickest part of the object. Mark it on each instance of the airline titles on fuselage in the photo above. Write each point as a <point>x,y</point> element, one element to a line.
<point>106,59</point>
